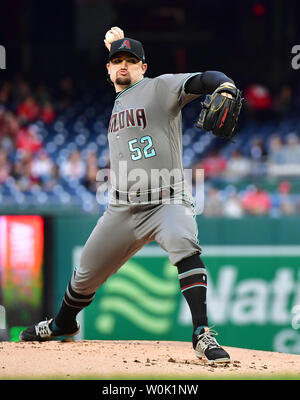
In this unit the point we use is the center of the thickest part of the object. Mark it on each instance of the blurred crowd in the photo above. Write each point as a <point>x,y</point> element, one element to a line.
<point>23,156</point>
<point>275,160</point>
<point>25,159</point>
<point>276,157</point>
<point>253,200</point>
<point>263,104</point>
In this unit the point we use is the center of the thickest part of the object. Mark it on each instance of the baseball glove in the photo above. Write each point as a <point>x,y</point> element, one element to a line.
<point>220,113</point>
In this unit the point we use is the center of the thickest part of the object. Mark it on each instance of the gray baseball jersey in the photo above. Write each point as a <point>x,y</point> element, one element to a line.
<point>145,134</point>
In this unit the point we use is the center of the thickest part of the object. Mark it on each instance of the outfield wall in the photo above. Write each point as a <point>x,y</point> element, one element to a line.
<point>254,285</point>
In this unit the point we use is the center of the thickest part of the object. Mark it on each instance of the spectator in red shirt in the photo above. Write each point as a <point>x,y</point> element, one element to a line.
<point>258,97</point>
<point>47,113</point>
<point>28,110</point>
<point>256,201</point>
<point>258,101</point>
<point>214,165</point>
<point>28,140</point>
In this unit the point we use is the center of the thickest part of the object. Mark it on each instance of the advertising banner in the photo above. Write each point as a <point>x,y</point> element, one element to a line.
<point>253,298</point>
<point>21,261</point>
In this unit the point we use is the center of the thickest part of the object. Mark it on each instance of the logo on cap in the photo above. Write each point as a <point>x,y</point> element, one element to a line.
<point>125,44</point>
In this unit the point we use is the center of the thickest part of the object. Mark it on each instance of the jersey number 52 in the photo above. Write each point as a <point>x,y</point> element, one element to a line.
<point>137,153</point>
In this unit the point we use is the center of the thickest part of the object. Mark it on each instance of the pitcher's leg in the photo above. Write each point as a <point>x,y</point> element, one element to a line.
<point>193,285</point>
<point>176,231</point>
<point>110,245</point>
<point>178,236</point>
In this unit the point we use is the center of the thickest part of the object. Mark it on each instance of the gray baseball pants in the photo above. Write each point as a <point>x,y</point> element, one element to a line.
<point>125,229</point>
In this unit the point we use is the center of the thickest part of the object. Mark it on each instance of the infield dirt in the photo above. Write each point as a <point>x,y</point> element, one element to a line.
<point>135,360</point>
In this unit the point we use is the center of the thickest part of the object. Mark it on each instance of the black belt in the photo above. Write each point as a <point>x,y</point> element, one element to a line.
<point>147,196</point>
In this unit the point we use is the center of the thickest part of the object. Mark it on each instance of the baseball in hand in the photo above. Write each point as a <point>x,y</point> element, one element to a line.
<point>109,37</point>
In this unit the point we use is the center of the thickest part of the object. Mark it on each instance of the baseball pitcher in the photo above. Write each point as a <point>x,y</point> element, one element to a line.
<point>146,204</point>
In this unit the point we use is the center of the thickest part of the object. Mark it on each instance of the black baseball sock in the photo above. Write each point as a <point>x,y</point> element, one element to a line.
<point>193,284</point>
<point>72,304</point>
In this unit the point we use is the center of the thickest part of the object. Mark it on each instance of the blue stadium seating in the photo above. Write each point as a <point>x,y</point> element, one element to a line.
<point>83,126</point>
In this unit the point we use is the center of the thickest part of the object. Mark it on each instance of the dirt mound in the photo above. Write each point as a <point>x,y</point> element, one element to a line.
<point>134,359</point>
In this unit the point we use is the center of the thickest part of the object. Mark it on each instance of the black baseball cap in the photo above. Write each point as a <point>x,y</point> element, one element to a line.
<point>127,45</point>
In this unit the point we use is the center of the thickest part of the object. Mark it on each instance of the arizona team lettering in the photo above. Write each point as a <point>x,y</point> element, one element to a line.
<point>131,118</point>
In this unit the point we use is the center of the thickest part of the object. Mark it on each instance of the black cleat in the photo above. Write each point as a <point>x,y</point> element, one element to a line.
<point>41,332</point>
<point>204,344</point>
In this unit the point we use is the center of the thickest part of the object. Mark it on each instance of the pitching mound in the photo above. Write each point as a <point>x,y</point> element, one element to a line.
<point>133,360</point>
